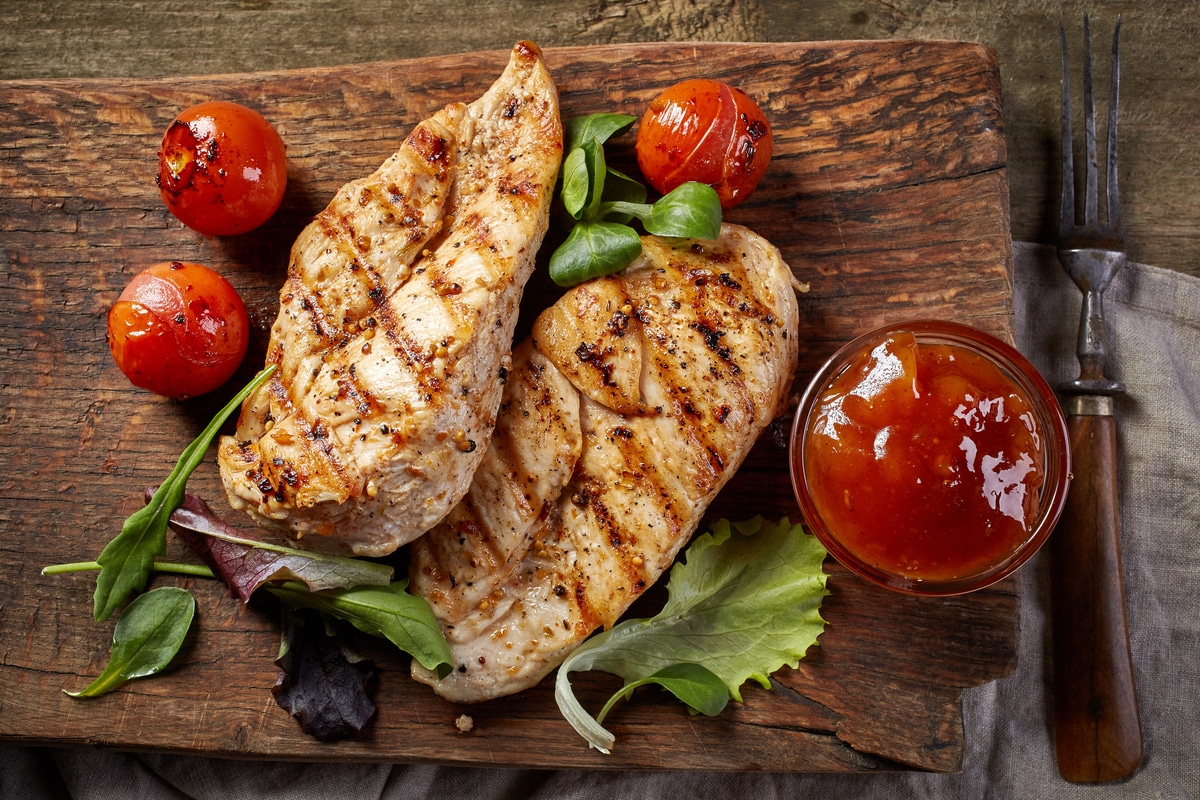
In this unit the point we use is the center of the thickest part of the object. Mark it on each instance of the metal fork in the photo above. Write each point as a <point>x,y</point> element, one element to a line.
<point>1097,726</point>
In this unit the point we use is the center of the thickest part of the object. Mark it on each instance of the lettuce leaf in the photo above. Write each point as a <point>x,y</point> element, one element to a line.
<point>246,564</point>
<point>321,682</point>
<point>744,602</point>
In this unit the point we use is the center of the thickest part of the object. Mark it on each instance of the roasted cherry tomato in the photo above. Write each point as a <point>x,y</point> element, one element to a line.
<point>706,131</point>
<point>222,168</point>
<point>178,330</point>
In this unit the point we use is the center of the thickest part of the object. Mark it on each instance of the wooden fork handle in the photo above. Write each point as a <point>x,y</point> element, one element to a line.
<point>1098,728</point>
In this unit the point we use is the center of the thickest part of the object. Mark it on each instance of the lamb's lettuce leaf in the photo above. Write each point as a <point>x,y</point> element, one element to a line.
<point>744,602</point>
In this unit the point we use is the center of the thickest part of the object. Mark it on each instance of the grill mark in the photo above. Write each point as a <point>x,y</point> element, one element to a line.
<point>363,277</point>
<point>288,472</point>
<point>587,619</point>
<point>402,221</point>
<point>591,355</point>
<point>308,309</point>
<point>317,441</point>
<point>712,340</point>
<point>351,390</point>
<point>699,416</point>
<point>707,435</point>
<point>357,247</point>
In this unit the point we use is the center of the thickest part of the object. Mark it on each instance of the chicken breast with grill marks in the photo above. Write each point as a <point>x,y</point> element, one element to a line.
<point>395,326</point>
<point>671,370</point>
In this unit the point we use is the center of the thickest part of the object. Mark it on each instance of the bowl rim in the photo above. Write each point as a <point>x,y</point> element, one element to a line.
<point>1056,446</point>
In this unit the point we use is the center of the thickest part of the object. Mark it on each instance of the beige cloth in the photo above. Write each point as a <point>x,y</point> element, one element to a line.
<point>1155,350</point>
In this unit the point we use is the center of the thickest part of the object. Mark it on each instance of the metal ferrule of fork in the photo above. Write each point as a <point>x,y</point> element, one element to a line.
<point>1091,394</point>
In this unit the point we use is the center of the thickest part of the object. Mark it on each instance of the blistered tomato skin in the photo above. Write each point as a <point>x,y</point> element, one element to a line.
<point>706,131</point>
<point>178,330</point>
<point>222,168</point>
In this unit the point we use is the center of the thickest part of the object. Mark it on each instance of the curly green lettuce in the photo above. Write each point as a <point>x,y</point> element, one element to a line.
<point>744,602</point>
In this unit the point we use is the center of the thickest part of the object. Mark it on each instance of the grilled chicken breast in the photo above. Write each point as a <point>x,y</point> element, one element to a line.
<point>638,397</point>
<point>395,326</point>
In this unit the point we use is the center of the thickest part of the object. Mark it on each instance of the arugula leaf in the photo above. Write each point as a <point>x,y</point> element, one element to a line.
<point>739,606</point>
<point>389,612</point>
<point>592,249</point>
<point>322,683</point>
<point>126,561</point>
<point>246,564</point>
<point>147,636</point>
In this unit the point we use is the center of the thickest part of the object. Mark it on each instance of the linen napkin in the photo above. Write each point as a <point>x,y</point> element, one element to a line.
<point>1154,342</point>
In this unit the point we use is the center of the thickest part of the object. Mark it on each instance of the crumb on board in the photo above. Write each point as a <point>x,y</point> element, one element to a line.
<point>464,723</point>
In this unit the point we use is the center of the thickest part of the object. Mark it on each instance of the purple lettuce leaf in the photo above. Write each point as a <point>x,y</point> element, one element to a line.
<point>321,682</point>
<point>246,564</point>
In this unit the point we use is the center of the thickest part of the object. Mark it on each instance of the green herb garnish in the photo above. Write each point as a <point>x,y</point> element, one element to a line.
<point>601,201</point>
<point>388,612</point>
<point>147,636</point>
<point>126,562</point>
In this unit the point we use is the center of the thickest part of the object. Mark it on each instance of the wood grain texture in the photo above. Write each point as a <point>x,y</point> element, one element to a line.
<point>1097,726</point>
<point>887,194</point>
<point>1160,166</point>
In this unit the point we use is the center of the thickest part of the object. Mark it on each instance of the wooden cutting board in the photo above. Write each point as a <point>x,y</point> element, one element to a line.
<point>887,195</point>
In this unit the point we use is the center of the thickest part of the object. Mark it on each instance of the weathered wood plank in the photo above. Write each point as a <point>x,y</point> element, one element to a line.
<point>887,195</point>
<point>1159,164</point>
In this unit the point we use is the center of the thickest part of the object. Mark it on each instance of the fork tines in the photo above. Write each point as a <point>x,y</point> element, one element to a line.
<point>1067,219</point>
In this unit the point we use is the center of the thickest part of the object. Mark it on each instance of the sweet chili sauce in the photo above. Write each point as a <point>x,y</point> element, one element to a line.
<point>925,460</point>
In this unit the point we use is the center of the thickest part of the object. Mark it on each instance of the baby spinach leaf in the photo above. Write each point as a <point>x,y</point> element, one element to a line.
<point>322,683</point>
<point>147,636</point>
<point>592,249</point>
<point>692,210</point>
<point>389,612</point>
<point>246,564</point>
<point>745,602</point>
<point>126,562</point>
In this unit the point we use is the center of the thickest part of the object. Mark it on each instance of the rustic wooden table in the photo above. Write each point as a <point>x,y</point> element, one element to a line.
<point>1160,163</point>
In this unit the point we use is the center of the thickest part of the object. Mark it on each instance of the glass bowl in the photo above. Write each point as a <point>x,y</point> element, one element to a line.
<point>930,458</point>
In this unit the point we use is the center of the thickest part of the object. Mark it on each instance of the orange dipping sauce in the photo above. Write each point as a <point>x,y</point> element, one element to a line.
<point>928,463</point>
